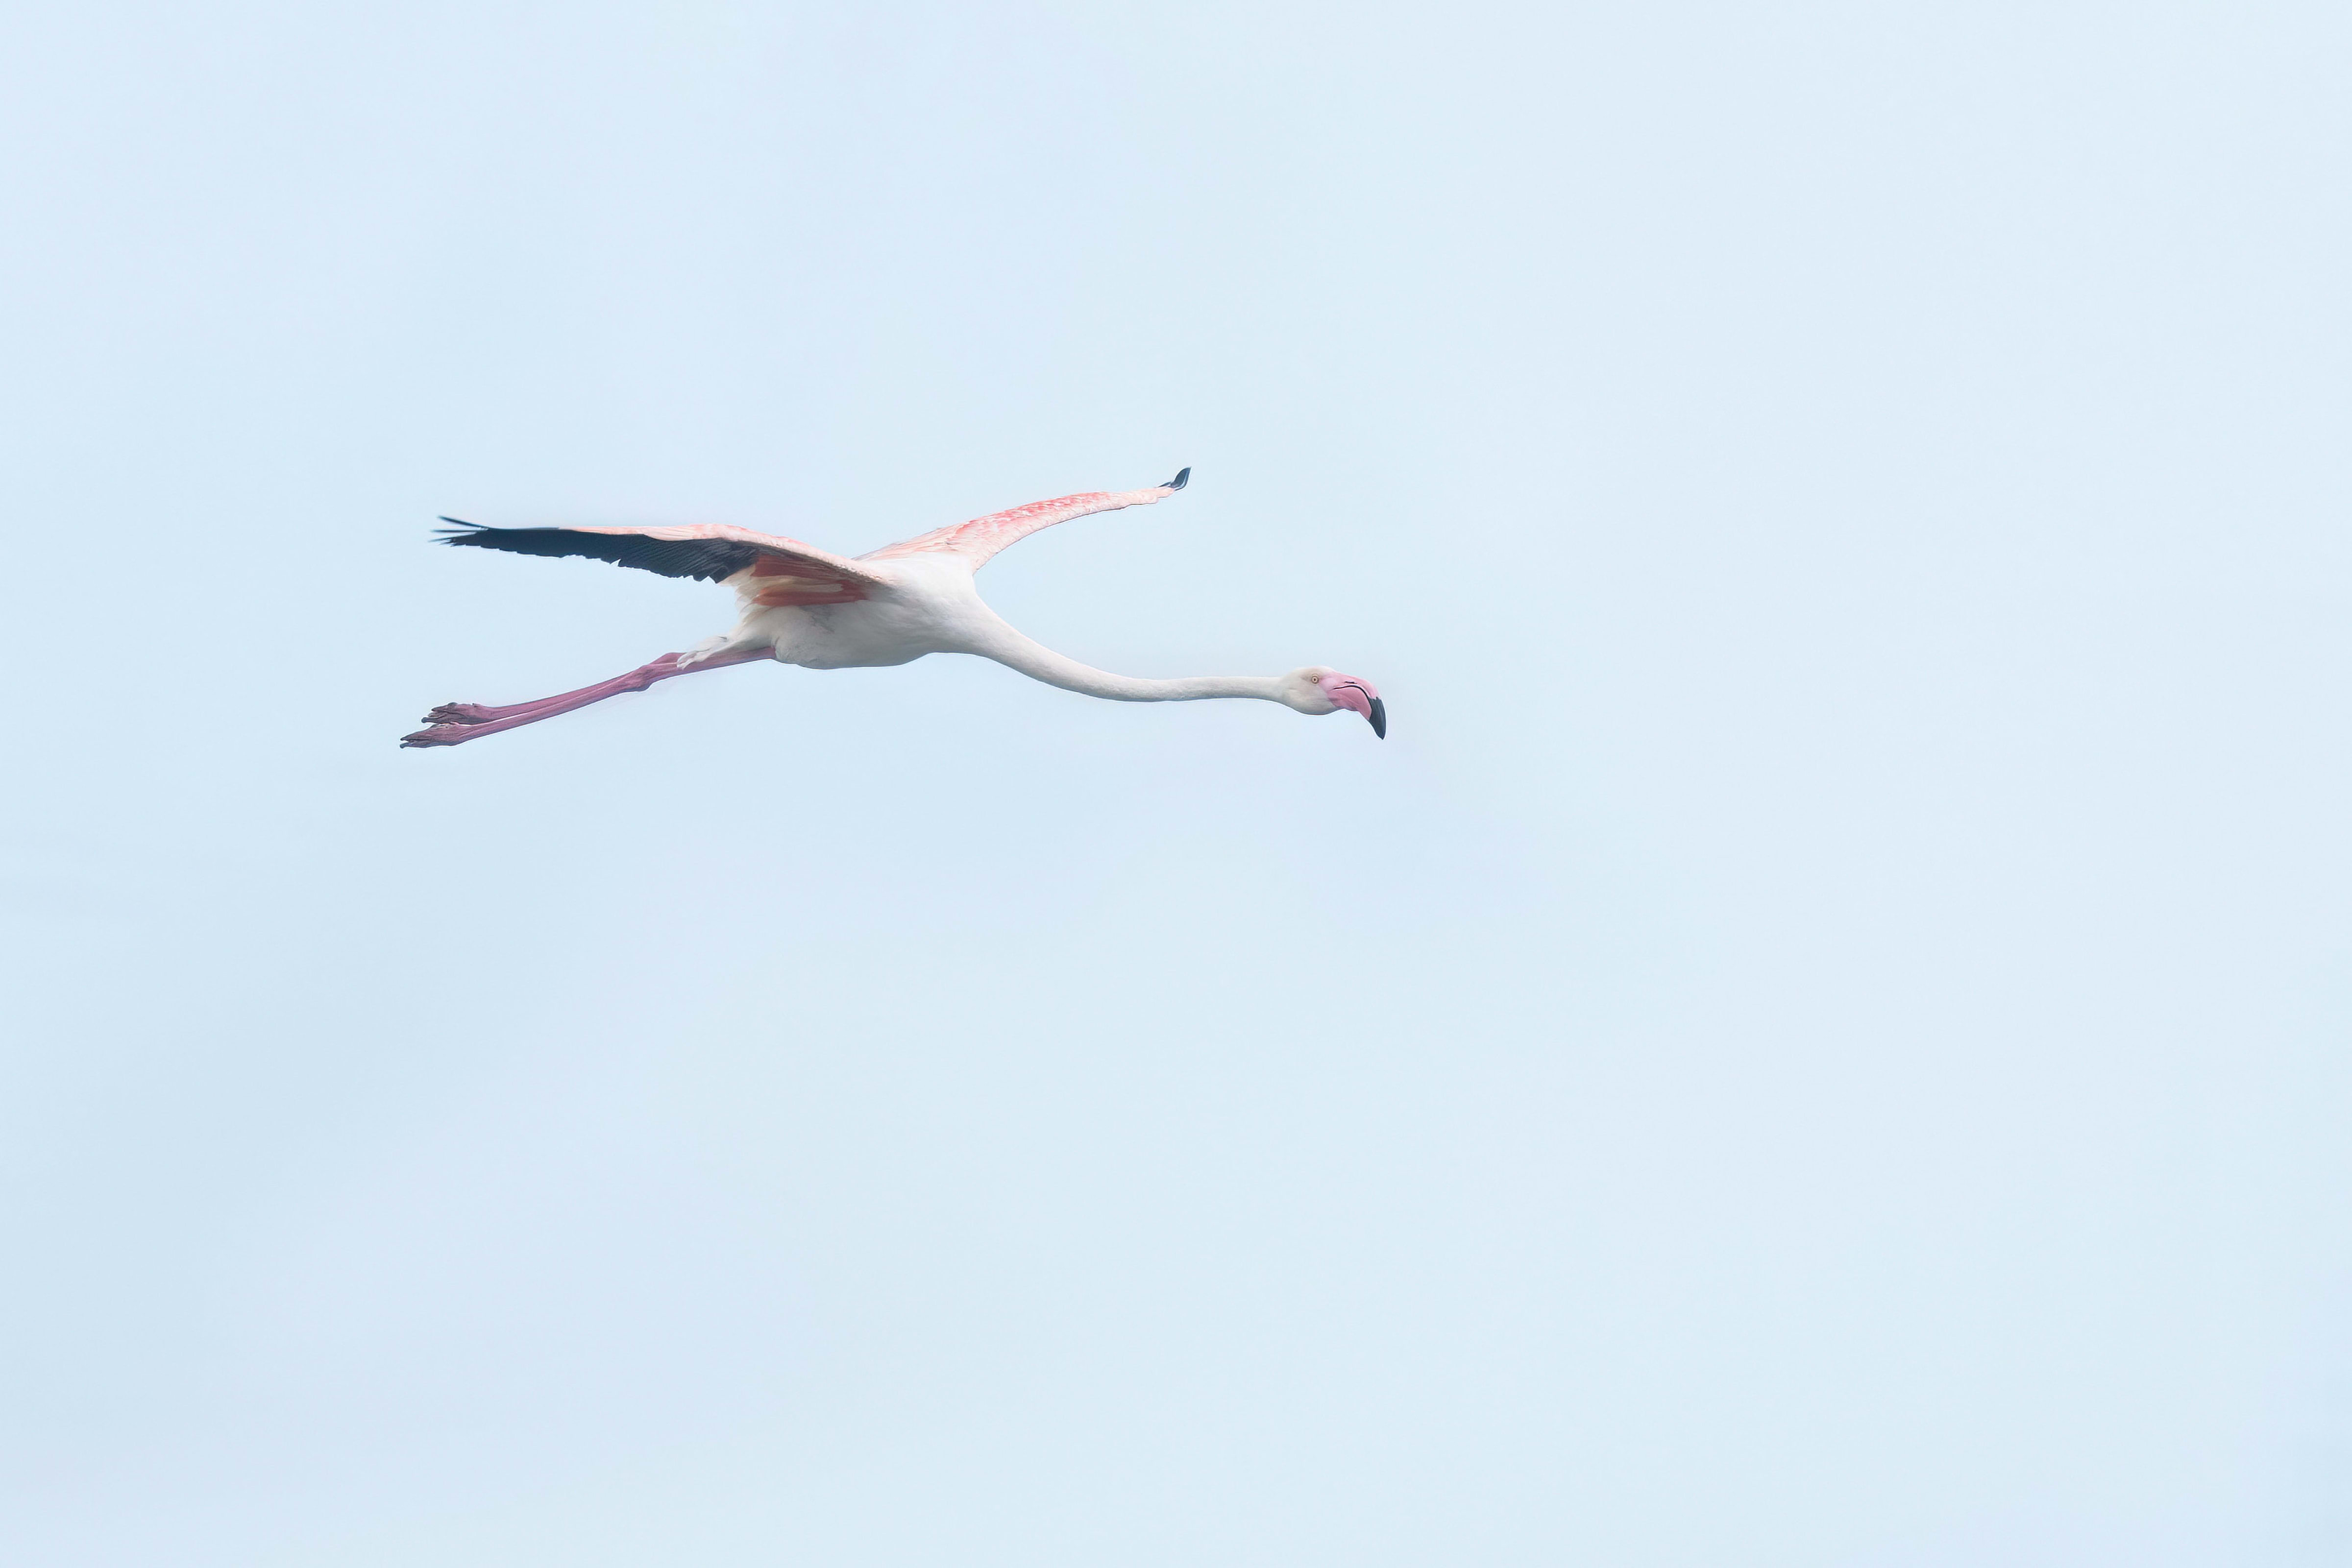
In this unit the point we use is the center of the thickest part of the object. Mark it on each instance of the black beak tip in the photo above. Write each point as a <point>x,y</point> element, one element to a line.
<point>1379,717</point>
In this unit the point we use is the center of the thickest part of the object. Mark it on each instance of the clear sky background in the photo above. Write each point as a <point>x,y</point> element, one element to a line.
<point>1821,1040</point>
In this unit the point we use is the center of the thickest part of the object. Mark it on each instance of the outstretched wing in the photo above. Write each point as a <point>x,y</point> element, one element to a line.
<point>984,537</point>
<point>782,570</point>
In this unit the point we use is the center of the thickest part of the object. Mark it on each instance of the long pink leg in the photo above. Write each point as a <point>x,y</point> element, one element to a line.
<point>456,722</point>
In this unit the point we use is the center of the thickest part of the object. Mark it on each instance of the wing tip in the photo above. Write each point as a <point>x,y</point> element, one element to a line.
<point>1172,486</point>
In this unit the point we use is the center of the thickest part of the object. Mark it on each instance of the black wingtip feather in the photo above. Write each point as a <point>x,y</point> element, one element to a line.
<point>1178,482</point>
<point>711,561</point>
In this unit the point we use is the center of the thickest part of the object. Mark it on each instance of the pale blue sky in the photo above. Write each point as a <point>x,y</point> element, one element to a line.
<point>1821,1040</point>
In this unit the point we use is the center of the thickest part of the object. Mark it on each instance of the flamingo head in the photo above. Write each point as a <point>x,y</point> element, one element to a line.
<point>1318,689</point>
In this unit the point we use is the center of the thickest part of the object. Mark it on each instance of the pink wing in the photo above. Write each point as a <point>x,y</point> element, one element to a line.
<point>984,537</point>
<point>784,571</point>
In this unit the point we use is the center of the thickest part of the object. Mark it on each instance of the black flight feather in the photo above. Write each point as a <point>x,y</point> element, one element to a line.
<point>709,559</point>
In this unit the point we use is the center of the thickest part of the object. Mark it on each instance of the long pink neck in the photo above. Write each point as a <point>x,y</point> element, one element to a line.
<point>1009,647</point>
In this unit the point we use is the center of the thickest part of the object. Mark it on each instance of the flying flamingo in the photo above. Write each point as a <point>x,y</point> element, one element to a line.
<point>806,606</point>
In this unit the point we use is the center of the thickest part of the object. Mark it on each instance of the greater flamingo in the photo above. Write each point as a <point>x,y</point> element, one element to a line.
<point>806,606</point>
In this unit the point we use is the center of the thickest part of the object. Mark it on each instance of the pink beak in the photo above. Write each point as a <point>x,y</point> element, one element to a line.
<point>1358,698</point>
